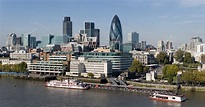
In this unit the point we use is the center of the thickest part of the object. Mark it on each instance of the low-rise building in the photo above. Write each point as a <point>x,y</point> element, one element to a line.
<point>22,55</point>
<point>82,66</point>
<point>143,57</point>
<point>47,67</point>
<point>120,61</point>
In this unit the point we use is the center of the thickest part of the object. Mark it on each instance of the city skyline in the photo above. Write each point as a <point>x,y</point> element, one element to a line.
<point>154,20</point>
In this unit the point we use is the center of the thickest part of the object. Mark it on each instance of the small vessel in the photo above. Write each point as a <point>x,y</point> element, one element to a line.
<point>168,97</point>
<point>70,84</point>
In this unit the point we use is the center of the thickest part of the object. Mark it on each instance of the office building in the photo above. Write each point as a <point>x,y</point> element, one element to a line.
<point>26,40</point>
<point>133,38</point>
<point>194,42</point>
<point>169,45</point>
<point>82,66</point>
<point>160,46</point>
<point>143,45</point>
<point>92,35</point>
<point>11,41</point>
<point>67,26</point>
<point>115,36</point>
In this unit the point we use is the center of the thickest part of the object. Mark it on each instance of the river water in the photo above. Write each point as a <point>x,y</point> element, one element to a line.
<point>27,93</point>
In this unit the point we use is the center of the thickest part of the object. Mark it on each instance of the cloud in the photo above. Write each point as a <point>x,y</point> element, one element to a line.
<point>191,3</point>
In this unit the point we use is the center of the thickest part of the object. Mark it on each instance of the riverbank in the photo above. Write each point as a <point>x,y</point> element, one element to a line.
<point>99,81</point>
<point>171,87</point>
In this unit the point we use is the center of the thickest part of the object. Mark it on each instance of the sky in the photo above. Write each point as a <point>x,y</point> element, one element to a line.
<point>154,20</point>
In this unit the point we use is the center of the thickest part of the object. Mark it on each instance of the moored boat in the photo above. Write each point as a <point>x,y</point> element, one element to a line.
<point>168,97</point>
<point>70,84</point>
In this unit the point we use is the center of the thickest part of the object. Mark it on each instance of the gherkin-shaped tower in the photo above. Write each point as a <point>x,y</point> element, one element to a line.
<point>115,35</point>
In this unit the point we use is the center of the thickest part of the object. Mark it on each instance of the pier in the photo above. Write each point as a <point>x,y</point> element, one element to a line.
<point>127,88</point>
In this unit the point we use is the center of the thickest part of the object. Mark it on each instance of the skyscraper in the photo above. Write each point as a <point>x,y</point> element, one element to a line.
<point>26,40</point>
<point>169,45</point>
<point>11,41</point>
<point>160,46</point>
<point>92,34</point>
<point>133,38</point>
<point>67,26</point>
<point>194,42</point>
<point>115,36</point>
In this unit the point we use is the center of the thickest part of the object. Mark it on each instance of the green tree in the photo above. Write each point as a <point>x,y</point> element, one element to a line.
<point>22,66</point>
<point>179,55</point>
<point>169,72</point>
<point>188,58</point>
<point>91,75</point>
<point>163,58</point>
<point>193,77</point>
<point>136,66</point>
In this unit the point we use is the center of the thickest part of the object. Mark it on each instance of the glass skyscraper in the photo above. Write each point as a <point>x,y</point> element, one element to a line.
<point>67,26</point>
<point>115,34</point>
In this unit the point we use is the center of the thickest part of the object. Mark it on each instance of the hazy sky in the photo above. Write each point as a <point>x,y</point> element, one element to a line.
<point>176,20</point>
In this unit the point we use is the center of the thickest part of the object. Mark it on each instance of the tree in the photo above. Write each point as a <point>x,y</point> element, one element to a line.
<point>91,75</point>
<point>193,77</point>
<point>22,66</point>
<point>136,66</point>
<point>179,55</point>
<point>188,58</point>
<point>163,58</point>
<point>169,72</point>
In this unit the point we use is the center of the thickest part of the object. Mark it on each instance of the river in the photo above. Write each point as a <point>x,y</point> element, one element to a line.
<point>28,93</point>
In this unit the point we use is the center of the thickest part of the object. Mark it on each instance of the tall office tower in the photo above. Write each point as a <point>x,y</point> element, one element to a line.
<point>26,40</point>
<point>92,34</point>
<point>32,42</point>
<point>115,36</point>
<point>133,38</point>
<point>169,45</point>
<point>160,46</point>
<point>143,45</point>
<point>67,26</point>
<point>194,42</point>
<point>11,41</point>
<point>18,41</point>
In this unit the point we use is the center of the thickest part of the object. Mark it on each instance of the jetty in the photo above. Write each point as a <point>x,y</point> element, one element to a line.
<point>127,88</point>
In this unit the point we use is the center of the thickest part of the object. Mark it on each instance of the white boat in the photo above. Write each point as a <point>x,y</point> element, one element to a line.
<point>70,84</point>
<point>168,97</point>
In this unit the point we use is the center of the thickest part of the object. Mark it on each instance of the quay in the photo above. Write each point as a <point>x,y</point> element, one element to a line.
<point>36,77</point>
<point>127,88</point>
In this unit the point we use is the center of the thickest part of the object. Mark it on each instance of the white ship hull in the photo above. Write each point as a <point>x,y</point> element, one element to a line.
<point>71,84</point>
<point>169,98</point>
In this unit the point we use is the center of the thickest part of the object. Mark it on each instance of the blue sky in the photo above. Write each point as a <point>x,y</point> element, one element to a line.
<point>176,20</point>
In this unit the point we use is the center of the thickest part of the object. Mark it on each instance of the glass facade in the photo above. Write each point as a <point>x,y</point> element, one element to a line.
<point>67,26</point>
<point>115,35</point>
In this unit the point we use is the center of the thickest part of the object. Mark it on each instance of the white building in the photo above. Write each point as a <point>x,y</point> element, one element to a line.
<point>160,46</point>
<point>151,76</point>
<point>143,57</point>
<point>47,67</point>
<point>11,41</point>
<point>21,55</point>
<point>194,42</point>
<point>199,51</point>
<point>82,66</point>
